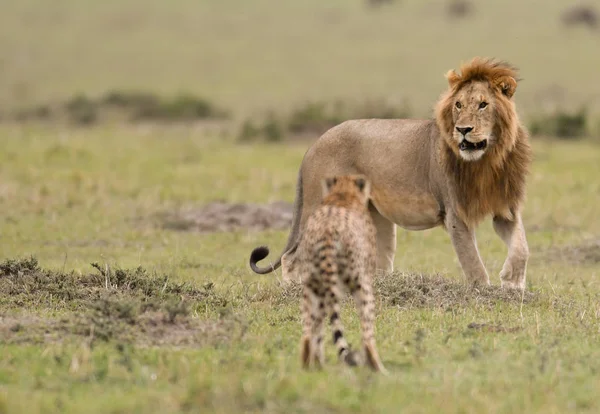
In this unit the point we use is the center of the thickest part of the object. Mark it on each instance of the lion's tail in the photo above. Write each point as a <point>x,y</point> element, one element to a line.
<point>262,252</point>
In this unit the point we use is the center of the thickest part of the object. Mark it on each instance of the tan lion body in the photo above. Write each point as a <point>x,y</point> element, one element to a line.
<point>425,174</point>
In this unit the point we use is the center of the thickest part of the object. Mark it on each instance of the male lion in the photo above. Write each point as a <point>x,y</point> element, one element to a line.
<point>468,163</point>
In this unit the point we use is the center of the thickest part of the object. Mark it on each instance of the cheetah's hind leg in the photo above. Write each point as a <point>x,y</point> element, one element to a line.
<point>365,303</point>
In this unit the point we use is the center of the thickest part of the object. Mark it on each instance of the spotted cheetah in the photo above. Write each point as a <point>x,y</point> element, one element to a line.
<point>337,252</point>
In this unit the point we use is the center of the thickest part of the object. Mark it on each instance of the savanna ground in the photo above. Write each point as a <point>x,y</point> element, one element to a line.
<point>132,301</point>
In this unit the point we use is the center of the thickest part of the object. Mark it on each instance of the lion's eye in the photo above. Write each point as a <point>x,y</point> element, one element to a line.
<point>482,105</point>
<point>458,105</point>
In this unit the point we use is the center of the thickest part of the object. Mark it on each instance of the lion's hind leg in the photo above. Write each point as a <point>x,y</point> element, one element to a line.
<point>289,269</point>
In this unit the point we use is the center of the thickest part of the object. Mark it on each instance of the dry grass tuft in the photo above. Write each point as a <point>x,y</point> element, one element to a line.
<point>410,291</point>
<point>113,305</point>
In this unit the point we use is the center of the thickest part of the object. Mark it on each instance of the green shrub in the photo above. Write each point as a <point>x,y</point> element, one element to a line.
<point>181,108</point>
<point>249,131</point>
<point>124,105</point>
<point>82,110</point>
<point>129,99</point>
<point>561,124</point>
<point>315,118</point>
<point>272,129</point>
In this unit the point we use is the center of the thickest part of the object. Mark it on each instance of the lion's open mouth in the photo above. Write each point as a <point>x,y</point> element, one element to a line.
<point>472,146</point>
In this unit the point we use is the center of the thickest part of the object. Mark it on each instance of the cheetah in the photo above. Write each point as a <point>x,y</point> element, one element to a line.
<point>337,253</point>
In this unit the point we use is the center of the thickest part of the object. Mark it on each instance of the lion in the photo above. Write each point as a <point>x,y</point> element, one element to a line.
<point>469,162</point>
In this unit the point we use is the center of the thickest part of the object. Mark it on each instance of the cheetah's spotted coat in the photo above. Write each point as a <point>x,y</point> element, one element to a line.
<point>338,252</point>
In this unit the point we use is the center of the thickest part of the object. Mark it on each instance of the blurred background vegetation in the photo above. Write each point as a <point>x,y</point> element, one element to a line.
<point>280,68</point>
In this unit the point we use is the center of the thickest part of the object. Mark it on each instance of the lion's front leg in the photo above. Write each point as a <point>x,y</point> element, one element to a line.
<point>512,232</point>
<point>386,241</point>
<point>465,246</point>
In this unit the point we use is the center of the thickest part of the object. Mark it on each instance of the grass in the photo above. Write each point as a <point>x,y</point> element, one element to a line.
<point>226,340</point>
<point>106,307</point>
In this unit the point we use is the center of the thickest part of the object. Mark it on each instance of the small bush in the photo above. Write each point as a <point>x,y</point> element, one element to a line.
<point>459,8</point>
<point>249,131</point>
<point>82,110</point>
<point>580,16</point>
<point>314,118</point>
<point>40,112</point>
<point>125,105</point>
<point>181,108</point>
<point>129,99</point>
<point>378,3</point>
<point>560,124</point>
<point>18,266</point>
<point>272,129</point>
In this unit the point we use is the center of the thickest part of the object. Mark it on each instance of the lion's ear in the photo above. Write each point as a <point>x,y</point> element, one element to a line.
<point>507,85</point>
<point>453,78</point>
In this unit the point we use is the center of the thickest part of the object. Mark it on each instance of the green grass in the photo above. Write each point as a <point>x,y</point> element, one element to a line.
<point>174,321</point>
<point>73,197</point>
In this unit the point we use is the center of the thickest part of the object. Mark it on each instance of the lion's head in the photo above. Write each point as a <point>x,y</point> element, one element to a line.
<point>476,115</point>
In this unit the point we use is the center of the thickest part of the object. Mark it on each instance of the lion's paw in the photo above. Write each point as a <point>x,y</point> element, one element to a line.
<point>509,279</point>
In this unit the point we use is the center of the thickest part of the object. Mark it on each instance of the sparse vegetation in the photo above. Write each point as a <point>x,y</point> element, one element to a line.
<point>378,3</point>
<point>123,106</point>
<point>108,305</point>
<point>581,15</point>
<point>459,8</point>
<point>561,124</point>
<point>314,118</point>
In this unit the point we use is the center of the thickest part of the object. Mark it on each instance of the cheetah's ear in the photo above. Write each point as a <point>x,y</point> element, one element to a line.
<point>360,183</point>
<point>363,185</point>
<point>327,184</point>
<point>330,182</point>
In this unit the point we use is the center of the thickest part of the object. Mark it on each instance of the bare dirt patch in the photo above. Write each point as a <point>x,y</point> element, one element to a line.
<point>584,253</point>
<point>224,217</point>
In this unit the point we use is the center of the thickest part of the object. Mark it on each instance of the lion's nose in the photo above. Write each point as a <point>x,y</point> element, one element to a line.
<point>464,130</point>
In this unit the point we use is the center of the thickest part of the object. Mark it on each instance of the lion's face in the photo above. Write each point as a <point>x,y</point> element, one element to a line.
<point>476,115</point>
<point>473,116</point>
